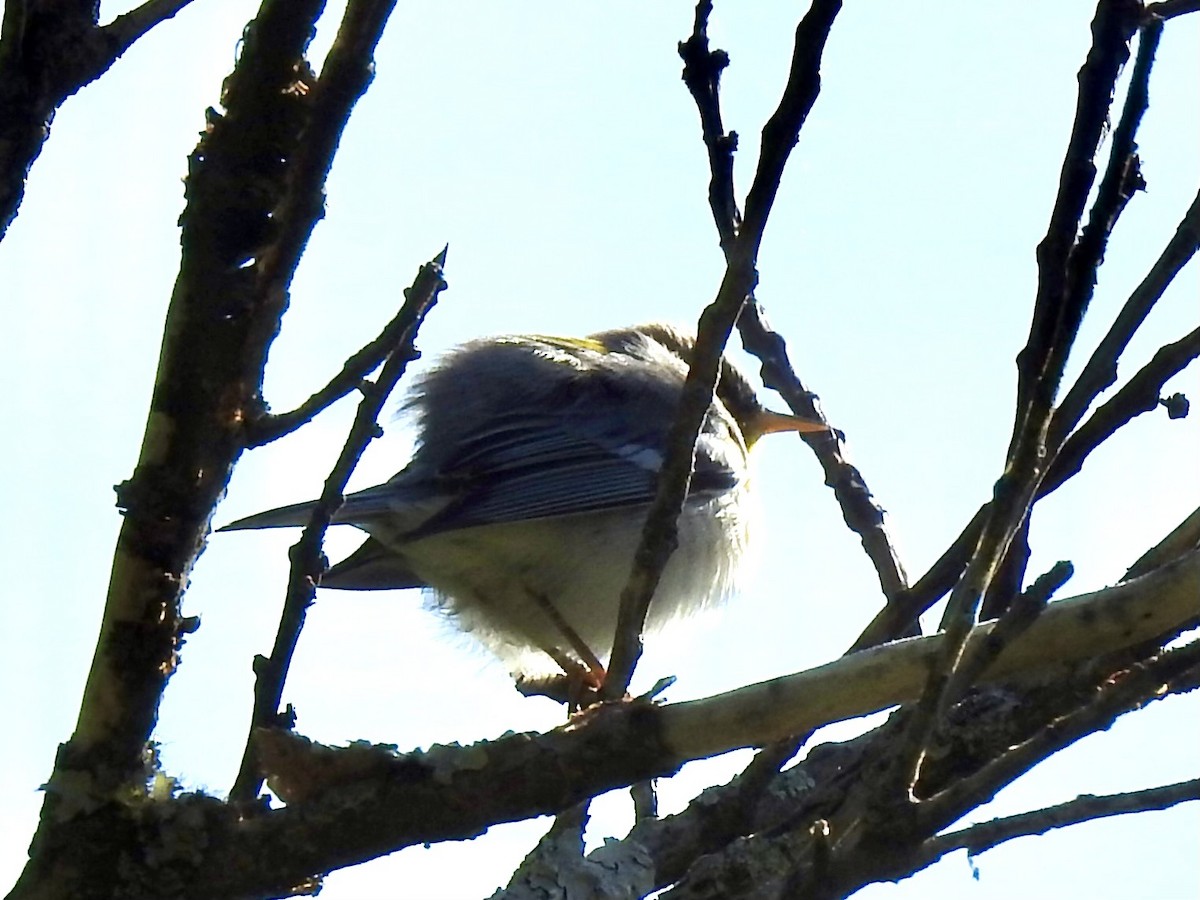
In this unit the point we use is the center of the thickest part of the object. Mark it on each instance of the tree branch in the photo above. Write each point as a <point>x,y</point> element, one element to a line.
<point>1169,9</point>
<point>980,838</point>
<point>1139,395</point>
<point>48,51</point>
<point>1101,369</point>
<point>348,805</point>
<point>659,535</point>
<point>270,427</point>
<point>307,557</point>
<point>1059,303</point>
<point>220,322</point>
<point>127,28</point>
<point>701,73</point>
<point>1183,539</point>
<point>1062,295</point>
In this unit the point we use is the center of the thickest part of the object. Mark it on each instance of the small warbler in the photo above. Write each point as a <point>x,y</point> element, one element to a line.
<point>524,501</point>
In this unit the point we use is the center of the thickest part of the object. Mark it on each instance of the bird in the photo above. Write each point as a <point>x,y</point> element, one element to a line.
<point>523,504</point>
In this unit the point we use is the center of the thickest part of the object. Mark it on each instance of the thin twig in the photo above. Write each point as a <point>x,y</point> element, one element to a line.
<point>702,70</point>
<point>1099,373</point>
<point>983,837</point>
<point>127,28</point>
<point>1139,395</point>
<point>1121,694</point>
<point>1101,369</point>
<point>307,558</point>
<point>1169,9</point>
<point>701,73</point>
<point>272,427</point>
<point>659,535</point>
<point>1020,614</point>
<point>861,513</point>
<point>1184,538</point>
<point>891,621</point>
<point>1057,310</point>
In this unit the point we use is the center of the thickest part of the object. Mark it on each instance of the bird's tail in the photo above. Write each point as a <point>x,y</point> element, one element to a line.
<point>284,517</point>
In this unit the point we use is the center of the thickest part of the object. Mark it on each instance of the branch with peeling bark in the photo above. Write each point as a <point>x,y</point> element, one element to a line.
<point>1158,605</point>
<point>349,804</point>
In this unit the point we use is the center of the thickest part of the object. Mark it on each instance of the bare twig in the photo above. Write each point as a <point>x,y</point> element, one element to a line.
<point>1062,295</point>
<point>890,622</point>
<point>1184,538</point>
<point>41,66</point>
<point>1169,9</point>
<point>1139,395</point>
<point>702,70</point>
<point>860,512</point>
<point>1101,369</point>
<point>1061,299</point>
<point>1017,618</point>
<point>659,534</point>
<point>127,28</point>
<point>983,837</point>
<point>701,73</point>
<point>272,427</point>
<point>306,556</point>
<point>1133,688</point>
<point>345,76</point>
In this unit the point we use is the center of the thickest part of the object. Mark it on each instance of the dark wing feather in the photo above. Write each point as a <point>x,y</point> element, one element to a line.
<point>372,567</point>
<point>554,467</point>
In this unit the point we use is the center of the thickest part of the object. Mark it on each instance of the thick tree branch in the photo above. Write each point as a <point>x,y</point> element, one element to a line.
<point>1123,692</point>
<point>191,442</point>
<point>352,804</point>
<point>220,322</point>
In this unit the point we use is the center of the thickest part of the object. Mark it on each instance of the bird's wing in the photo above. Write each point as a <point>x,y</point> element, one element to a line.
<point>537,468</point>
<point>523,467</point>
<point>372,567</point>
<point>405,502</point>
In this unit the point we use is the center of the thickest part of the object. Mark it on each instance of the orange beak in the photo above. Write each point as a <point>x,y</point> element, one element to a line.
<point>769,422</point>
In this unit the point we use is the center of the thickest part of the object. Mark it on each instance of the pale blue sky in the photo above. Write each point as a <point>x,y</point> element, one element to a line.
<point>557,151</point>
